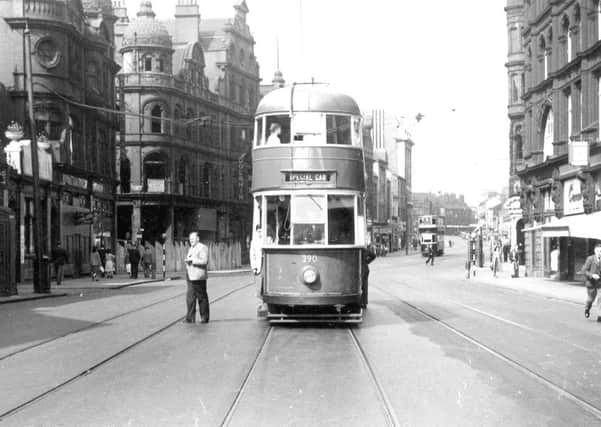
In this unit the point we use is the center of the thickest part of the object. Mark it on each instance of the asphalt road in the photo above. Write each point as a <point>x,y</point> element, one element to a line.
<point>434,349</point>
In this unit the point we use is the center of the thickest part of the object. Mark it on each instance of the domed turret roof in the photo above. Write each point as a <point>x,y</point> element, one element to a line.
<point>146,31</point>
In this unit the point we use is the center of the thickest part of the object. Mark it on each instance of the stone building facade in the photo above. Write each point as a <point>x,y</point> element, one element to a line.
<point>192,87</point>
<point>73,82</point>
<point>560,164</point>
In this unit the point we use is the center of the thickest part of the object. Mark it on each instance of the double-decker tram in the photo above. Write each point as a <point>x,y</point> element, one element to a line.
<point>431,229</point>
<point>308,184</point>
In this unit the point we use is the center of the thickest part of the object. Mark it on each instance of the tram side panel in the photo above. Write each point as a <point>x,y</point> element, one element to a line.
<point>338,276</point>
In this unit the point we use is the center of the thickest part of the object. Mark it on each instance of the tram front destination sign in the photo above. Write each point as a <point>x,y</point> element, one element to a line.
<point>301,178</point>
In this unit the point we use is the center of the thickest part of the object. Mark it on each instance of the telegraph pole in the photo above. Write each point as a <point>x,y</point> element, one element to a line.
<point>39,278</point>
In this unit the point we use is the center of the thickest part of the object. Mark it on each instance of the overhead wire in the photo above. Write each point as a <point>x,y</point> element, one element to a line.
<point>205,119</point>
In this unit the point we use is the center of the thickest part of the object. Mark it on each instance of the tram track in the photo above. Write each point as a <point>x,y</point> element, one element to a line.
<point>389,412</point>
<point>387,408</point>
<point>115,355</point>
<point>227,419</point>
<point>520,367</point>
<point>90,326</point>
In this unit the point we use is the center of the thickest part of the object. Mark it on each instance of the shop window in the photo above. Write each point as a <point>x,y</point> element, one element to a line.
<point>341,220</point>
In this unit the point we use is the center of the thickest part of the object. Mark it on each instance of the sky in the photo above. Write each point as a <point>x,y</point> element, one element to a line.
<point>445,60</point>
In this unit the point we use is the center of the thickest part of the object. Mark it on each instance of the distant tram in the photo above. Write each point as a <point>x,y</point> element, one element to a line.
<point>431,230</point>
<point>308,185</point>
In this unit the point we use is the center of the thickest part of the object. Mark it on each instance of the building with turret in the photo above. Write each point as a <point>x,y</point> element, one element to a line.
<point>516,68</point>
<point>190,88</point>
<point>72,43</point>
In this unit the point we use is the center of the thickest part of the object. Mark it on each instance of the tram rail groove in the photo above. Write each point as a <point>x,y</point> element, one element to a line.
<point>229,415</point>
<point>389,412</point>
<point>578,401</point>
<point>108,359</point>
<point>90,326</point>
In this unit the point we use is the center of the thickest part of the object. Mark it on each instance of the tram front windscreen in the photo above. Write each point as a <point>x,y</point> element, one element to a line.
<point>316,219</point>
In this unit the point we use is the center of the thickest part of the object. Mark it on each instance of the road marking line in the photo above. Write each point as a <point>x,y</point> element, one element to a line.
<point>527,328</point>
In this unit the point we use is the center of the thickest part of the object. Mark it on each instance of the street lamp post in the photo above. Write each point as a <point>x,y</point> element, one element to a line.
<point>40,280</point>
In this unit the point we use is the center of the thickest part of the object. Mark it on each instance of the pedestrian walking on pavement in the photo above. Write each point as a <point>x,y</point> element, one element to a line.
<point>496,260</point>
<point>148,261</point>
<point>592,272</point>
<point>95,263</point>
<point>134,259</point>
<point>109,264</point>
<point>430,255</point>
<point>196,275</point>
<point>59,259</point>
<point>515,261</point>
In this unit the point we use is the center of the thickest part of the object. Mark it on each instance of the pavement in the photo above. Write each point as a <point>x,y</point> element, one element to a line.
<point>570,291</point>
<point>25,291</point>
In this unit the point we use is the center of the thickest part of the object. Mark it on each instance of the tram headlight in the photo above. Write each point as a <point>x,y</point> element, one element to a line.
<point>310,275</point>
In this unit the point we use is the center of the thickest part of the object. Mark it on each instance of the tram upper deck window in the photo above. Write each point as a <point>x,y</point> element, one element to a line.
<point>308,128</point>
<point>277,130</point>
<point>341,220</point>
<point>338,129</point>
<point>308,221</point>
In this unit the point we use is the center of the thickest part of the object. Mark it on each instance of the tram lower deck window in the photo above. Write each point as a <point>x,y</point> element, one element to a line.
<point>341,220</point>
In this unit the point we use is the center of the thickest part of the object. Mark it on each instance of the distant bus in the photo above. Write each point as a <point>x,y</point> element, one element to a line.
<point>431,230</point>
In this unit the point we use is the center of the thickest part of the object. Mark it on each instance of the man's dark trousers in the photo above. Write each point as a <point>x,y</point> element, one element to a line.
<point>59,270</point>
<point>197,289</point>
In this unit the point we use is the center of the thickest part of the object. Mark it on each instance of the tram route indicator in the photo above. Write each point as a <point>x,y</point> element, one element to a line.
<point>323,178</point>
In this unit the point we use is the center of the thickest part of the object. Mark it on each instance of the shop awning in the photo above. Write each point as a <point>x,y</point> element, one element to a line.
<point>581,226</point>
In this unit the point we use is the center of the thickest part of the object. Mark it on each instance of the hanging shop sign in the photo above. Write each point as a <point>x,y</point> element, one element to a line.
<point>572,197</point>
<point>75,181</point>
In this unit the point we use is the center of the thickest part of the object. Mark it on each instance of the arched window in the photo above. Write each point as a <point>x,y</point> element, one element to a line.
<point>147,63</point>
<point>177,120</point>
<point>548,137</point>
<point>156,165</point>
<point>518,144</point>
<point>191,125</point>
<point>93,77</point>
<point>515,89</point>
<point>544,57</point>
<point>565,27</point>
<point>578,39</point>
<point>125,173</point>
<point>597,9</point>
<point>156,125</point>
<point>181,176</point>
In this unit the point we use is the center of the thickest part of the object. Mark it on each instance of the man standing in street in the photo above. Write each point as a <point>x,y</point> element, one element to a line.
<point>592,272</point>
<point>196,275</point>
<point>59,258</point>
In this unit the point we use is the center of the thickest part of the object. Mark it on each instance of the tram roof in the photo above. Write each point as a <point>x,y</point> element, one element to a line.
<point>307,97</point>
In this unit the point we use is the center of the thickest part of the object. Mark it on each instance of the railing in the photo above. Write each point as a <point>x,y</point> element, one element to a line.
<point>53,9</point>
